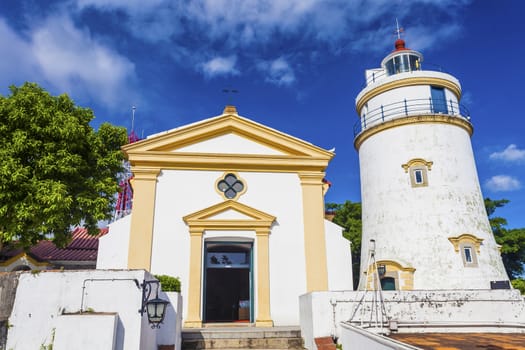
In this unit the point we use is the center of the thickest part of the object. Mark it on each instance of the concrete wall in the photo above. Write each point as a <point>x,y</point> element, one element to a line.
<point>170,331</point>
<point>47,309</point>
<point>355,338</point>
<point>339,258</point>
<point>113,247</point>
<point>91,331</point>
<point>414,311</point>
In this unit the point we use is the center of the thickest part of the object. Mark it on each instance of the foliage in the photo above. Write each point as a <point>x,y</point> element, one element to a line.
<point>348,216</point>
<point>512,241</point>
<point>56,171</point>
<point>169,283</point>
<point>519,283</point>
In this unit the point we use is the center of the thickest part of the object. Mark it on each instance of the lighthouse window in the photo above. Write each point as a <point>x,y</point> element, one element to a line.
<point>418,169</point>
<point>468,254</point>
<point>418,176</point>
<point>469,247</point>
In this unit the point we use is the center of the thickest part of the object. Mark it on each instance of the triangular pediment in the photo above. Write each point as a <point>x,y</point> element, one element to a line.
<point>229,214</point>
<point>240,133</point>
<point>229,143</point>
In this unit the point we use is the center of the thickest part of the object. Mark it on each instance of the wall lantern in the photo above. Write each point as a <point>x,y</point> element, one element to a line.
<point>156,307</point>
<point>381,270</point>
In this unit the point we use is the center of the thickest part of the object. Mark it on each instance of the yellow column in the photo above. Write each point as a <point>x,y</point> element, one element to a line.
<point>314,235</point>
<point>194,319</point>
<point>141,234</point>
<point>263,318</point>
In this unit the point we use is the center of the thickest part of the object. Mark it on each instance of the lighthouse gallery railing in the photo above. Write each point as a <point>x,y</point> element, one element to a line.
<point>410,108</point>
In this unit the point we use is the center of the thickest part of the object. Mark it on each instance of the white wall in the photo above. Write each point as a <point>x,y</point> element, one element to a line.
<point>229,144</point>
<point>412,225</point>
<point>180,193</point>
<point>339,258</point>
<point>170,331</point>
<point>89,331</point>
<point>414,311</point>
<point>44,299</point>
<point>113,247</point>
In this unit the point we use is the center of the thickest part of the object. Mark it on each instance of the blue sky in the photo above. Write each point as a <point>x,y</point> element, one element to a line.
<point>297,64</point>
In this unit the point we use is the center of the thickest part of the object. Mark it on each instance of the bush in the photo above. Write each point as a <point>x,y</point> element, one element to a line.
<point>169,283</point>
<point>519,283</point>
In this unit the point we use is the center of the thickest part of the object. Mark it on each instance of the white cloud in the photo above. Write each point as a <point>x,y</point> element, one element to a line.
<point>502,183</point>
<point>277,72</point>
<point>220,66</point>
<point>62,58</point>
<point>17,64</point>
<point>73,61</point>
<point>242,23</point>
<point>510,154</point>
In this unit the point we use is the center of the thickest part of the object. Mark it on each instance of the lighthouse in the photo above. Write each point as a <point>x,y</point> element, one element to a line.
<point>425,226</point>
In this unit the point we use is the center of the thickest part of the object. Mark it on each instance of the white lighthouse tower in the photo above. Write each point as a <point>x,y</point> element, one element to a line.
<point>424,220</point>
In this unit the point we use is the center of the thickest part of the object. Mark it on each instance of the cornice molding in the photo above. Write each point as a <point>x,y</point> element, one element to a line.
<point>430,118</point>
<point>410,81</point>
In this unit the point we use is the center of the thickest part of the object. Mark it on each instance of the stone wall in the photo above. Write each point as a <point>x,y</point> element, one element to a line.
<point>8,284</point>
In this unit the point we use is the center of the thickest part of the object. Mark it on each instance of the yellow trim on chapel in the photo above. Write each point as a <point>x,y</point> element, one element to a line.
<point>201,221</point>
<point>144,185</point>
<point>314,233</point>
<point>161,150</point>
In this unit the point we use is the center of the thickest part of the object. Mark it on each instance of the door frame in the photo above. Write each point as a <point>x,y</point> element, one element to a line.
<point>205,272</point>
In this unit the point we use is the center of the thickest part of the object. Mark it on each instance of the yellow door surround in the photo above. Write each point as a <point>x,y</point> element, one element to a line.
<point>202,221</point>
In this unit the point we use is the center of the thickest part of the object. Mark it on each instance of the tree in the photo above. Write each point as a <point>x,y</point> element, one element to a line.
<point>512,241</point>
<point>348,216</point>
<point>56,171</point>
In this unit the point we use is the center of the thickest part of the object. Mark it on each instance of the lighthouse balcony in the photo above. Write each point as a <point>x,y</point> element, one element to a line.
<point>408,109</point>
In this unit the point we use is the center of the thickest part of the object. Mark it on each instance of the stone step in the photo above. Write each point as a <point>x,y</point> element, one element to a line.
<point>242,338</point>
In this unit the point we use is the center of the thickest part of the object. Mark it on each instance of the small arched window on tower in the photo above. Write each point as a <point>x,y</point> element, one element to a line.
<point>469,247</point>
<point>417,168</point>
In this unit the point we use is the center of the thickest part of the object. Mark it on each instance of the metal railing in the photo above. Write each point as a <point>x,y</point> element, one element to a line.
<point>409,108</point>
<point>381,75</point>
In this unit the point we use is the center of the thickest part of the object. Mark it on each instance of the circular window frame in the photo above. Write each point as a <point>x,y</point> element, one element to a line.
<point>223,179</point>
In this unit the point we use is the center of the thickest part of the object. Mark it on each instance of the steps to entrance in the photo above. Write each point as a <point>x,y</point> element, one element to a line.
<point>242,338</point>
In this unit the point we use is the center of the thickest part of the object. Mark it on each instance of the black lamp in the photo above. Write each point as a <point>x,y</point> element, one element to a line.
<point>381,270</point>
<point>155,308</point>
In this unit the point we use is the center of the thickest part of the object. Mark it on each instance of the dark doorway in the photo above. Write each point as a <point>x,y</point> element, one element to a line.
<point>227,295</point>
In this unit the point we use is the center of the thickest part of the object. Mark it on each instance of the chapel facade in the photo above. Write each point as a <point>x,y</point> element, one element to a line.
<point>235,209</point>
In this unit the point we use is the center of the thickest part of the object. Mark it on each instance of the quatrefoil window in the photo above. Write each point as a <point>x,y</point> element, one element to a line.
<point>230,186</point>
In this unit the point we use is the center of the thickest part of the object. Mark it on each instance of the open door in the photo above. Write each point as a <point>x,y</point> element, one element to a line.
<point>228,282</point>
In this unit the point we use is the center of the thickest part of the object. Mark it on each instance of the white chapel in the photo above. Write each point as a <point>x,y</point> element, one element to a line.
<point>235,209</point>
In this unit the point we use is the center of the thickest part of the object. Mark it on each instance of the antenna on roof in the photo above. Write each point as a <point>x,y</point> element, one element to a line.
<point>133,108</point>
<point>398,30</point>
<point>230,93</point>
